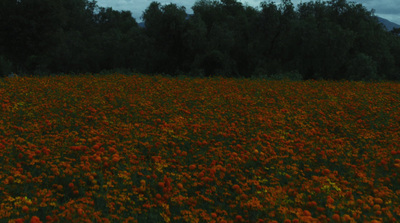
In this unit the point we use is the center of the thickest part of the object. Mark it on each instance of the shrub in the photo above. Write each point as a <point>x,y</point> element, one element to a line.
<point>5,66</point>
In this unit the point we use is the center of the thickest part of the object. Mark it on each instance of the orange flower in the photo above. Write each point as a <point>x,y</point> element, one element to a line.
<point>115,158</point>
<point>376,207</point>
<point>346,218</point>
<point>236,187</point>
<point>312,204</point>
<point>98,159</point>
<point>238,218</point>
<point>10,179</point>
<point>180,186</point>
<point>25,209</point>
<point>35,219</point>
<point>80,211</point>
<point>326,172</point>
<point>336,217</point>
<point>213,215</point>
<point>378,200</point>
<point>360,202</point>
<point>320,209</point>
<point>307,213</point>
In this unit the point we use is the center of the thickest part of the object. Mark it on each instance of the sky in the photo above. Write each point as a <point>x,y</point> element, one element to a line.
<point>387,9</point>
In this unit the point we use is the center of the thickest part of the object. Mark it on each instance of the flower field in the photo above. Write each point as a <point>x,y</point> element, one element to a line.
<point>120,148</point>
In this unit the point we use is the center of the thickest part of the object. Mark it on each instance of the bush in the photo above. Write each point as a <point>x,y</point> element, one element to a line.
<point>294,76</point>
<point>5,66</point>
<point>362,68</point>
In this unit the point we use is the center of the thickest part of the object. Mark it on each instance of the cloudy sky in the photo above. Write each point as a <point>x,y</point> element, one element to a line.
<point>388,9</point>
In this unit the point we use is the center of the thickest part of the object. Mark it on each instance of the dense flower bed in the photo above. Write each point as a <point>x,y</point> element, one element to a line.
<point>154,149</point>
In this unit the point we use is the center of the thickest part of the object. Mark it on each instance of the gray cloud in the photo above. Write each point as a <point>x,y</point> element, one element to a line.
<point>388,9</point>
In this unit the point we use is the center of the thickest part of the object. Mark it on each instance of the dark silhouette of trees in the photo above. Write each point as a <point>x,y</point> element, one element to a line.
<point>165,28</point>
<point>331,40</point>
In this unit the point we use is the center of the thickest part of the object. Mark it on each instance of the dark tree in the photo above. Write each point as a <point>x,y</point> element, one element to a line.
<point>166,26</point>
<point>333,39</point>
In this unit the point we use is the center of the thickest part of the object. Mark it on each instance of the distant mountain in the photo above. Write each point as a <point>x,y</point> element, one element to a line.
<point>141,24</point>
<point>388,24</point>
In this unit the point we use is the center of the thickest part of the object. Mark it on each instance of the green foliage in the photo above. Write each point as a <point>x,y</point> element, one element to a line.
<point>362,68</point>
<point>5,66</point>
<point>294,76</point>
<point>332,39</point>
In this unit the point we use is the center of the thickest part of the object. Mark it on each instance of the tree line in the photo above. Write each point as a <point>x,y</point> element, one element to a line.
<point>331,40</point>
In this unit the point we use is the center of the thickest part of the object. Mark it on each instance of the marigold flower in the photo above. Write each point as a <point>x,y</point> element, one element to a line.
<point>238,218</point>
<point>236,187</point>
<point>312,203</point>
<point>336,217</point>
<point>320,209</point>
<point>376,207</point>
<point>307,213</point>
<point>25,208</point>
<point>180,186</point>
<point>98,159</point>
<point>347,218</point>
<point>330,200</point>
<point>80,211</point>
<point>10,179</point>
<point>326,171</point>
<point>115,159</point>
<point>378,200</point>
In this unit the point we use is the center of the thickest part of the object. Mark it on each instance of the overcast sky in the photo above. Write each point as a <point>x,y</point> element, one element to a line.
<point>388,9</point>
